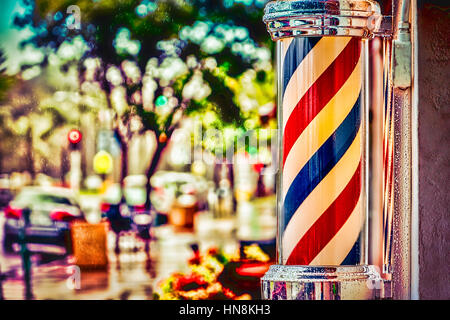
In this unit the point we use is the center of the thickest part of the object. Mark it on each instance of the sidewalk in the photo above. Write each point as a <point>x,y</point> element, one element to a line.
<point>131,275</point>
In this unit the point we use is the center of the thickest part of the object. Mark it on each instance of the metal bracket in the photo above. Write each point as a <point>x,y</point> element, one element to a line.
<point>402,57</point>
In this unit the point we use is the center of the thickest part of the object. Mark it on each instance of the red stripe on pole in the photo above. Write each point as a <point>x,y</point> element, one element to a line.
<point>329,223</point>
<point>320,93</point>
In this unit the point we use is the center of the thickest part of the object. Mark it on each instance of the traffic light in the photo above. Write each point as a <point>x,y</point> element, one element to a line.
<point>74,138</point>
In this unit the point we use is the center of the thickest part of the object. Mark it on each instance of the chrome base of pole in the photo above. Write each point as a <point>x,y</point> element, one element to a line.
<point>288,282</point>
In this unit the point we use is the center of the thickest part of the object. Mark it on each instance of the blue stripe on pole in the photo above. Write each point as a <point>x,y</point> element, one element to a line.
<point>322,162</point>
<point>297,51</point>
<point>354,255</point>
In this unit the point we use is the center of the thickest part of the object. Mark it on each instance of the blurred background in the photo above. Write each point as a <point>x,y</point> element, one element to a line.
<point>137,141</point>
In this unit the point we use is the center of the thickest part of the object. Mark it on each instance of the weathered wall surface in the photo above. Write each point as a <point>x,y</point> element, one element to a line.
<point>434,148</point>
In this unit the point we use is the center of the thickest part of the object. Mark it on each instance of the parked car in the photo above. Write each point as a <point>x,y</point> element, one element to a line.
<point>52,210</point>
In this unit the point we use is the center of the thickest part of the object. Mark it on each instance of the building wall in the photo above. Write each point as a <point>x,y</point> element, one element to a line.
<point>434,148</point>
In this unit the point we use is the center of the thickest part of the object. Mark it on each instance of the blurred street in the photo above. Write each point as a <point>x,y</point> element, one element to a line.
<point>137,154</point>
<point>131,274</point>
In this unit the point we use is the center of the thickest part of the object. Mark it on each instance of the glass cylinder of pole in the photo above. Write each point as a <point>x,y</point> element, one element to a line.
<point>322,190</point>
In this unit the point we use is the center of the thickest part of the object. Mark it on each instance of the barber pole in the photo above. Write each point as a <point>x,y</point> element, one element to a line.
<point>322,150</point>
<point>322,239</point>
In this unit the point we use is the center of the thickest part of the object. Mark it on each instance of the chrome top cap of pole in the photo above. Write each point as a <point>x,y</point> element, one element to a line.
<point>356,18</point>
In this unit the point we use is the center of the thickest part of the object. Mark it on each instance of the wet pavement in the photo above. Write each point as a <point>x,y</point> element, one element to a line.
<point>132,274</point>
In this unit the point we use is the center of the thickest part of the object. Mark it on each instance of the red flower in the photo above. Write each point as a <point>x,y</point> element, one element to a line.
<point>213,251</point>
<point>228,293</point>
<point>189,282</point>
<point>196,259</point>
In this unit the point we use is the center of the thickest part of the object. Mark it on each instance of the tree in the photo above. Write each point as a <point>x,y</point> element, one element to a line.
<point>132,41</point>
<point>6,82</point>
<point>37,113</point>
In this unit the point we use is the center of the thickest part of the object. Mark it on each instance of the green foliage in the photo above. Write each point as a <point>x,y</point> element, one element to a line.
<point>6,81</point>
<point>101,22</point>
<point>114,32</point>
<point>223,99</point>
